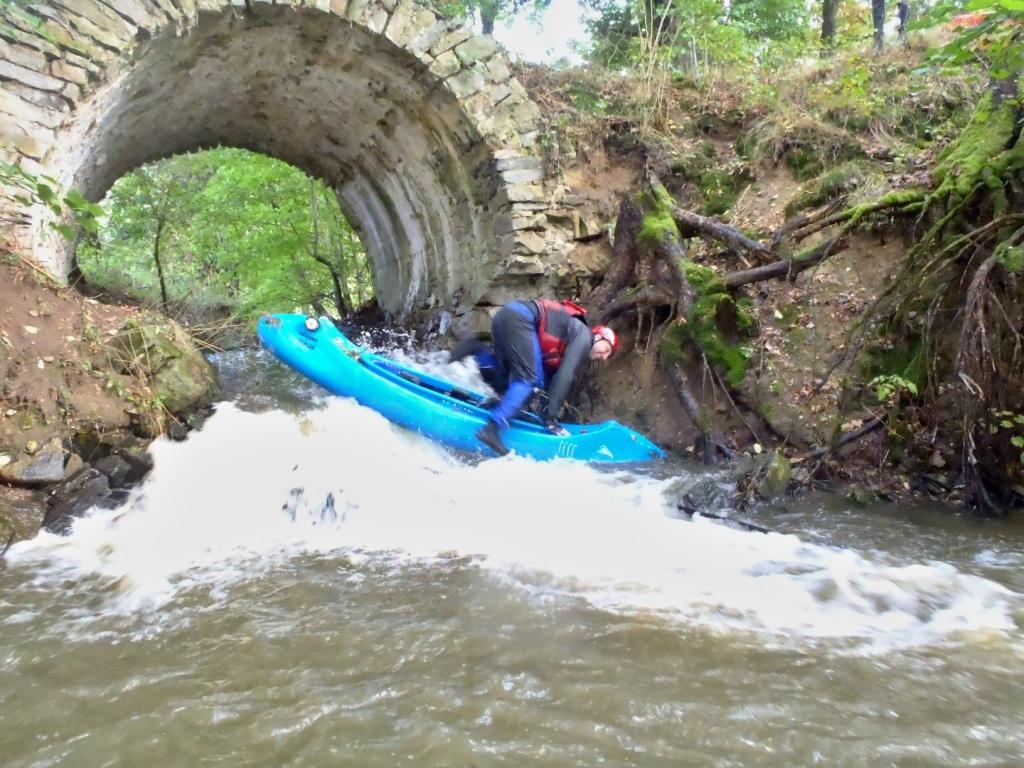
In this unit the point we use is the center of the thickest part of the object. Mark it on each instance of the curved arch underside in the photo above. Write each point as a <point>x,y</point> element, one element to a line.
<point>418,125</point>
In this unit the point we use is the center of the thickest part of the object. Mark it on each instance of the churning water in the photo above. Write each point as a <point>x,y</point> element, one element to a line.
<point>302,583</point>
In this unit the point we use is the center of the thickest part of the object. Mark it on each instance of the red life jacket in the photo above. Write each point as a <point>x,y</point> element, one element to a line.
<point>553,347</point>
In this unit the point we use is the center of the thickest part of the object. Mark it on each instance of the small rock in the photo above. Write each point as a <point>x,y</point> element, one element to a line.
<point>4,459</point>
<point>75,498</point>
<point>42,469</point>
<point>33,313</point>
<point>115,468</point>
<point>936,460</point>
<point>11,412</point>
<point>48,358</point>
<point>31,329</point>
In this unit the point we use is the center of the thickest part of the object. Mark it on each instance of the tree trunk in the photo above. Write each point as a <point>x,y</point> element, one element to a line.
<point>156,250</point>
<point>339,299</point>
<point>829,12</point>
<point>878,22</point>
<point>487,17</point>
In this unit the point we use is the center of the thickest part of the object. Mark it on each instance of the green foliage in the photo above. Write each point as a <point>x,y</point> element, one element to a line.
<point>1011,257</point>
<point>716,320</point>
<point>888,387</point>
<point>44,190</point>
<point>832,184</point>
<point>658,222</point>
<point>1010,423</point>
<point>991,35</point>
<point>237,233</point>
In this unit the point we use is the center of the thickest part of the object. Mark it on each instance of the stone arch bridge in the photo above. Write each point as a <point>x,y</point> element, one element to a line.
<point>430,141</point>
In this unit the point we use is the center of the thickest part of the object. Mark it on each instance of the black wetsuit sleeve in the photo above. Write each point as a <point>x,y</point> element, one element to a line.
<point>576,351</point>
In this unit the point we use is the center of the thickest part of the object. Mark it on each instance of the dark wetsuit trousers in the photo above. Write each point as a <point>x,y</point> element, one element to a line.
<point>518,358</point>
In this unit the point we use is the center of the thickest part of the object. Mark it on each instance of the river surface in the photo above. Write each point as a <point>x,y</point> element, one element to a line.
<point>300,583</point>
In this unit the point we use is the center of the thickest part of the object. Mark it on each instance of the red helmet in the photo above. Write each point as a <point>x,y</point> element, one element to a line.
<point>604,333</point>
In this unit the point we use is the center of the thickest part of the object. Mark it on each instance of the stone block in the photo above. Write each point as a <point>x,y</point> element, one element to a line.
<point>498,93</point>
<point>521,193</point>
<point>445,65</point>
<point>523,265</point>
<point>71,92</point>
<point>11,104</point>
<point>134,10</point>
<point>429,30</point>
<point>522,175</point>
<point>466,83</point>
<point>339,7</point>
<point>498,70</point>
<point>529,242</point>
<point>449,40</point>
<point>526,115</point>
<point>397,30</point>
<point>507,224</point>
<point>101,18</point>
<point>377,20</point>
<point>29,77</point>
<point>23,56</point>
<point>355,10</point>
<point>512,161</point>
<point>477,48</point>
<point>69,72</point>
<point>30,38</point>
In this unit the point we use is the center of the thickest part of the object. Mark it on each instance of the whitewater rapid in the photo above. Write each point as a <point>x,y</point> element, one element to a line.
<point>251,490</point>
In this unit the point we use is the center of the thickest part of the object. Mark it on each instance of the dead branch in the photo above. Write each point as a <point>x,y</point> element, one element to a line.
<point>851,437</point>
<point>693,223</point>
<point>804,220</point>
<point>787,268</point>
<point>10,541</point>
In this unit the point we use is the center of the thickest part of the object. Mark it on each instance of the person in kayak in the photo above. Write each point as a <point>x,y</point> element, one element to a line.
<point>537,346</point>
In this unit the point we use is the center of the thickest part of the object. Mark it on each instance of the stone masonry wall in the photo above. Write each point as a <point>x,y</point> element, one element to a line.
<point>430,141</point>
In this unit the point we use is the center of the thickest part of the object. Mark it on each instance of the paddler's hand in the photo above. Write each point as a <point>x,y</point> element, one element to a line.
<point>554,427</point>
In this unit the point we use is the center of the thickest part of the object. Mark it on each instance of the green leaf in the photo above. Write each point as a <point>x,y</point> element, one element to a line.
<point>66,230</point>
<point>1017,441</point>
<point>74,199</point>
<point>1012,5</point>
<point>46,194</point>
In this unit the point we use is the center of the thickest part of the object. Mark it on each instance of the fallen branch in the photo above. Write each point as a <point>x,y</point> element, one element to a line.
<point>804,220</point>
<point>691,511</point>
<point>688,221</point>
<point>10,541</point>
<point>867,428</point>
<point>786,268</point>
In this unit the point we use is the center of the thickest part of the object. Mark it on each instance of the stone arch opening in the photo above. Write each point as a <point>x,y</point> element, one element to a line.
<point>224,233</point>
<point>420,126</point>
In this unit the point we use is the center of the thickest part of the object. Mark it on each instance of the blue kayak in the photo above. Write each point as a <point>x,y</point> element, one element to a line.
<point>436,408</point>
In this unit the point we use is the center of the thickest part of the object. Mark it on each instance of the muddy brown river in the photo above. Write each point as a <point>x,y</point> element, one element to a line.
<point>300,583</point>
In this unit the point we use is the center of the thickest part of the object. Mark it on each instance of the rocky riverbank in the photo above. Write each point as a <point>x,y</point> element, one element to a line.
<point>85,387</point>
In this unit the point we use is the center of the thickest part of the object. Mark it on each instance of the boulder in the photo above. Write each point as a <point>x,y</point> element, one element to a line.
<point>42,466</point>
<point>763,477</point>
<point>88,489</point>
<point>164,356</point>
<point>21,516</point>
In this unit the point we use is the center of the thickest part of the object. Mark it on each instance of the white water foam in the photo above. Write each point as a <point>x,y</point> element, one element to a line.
<point>251,489</point>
